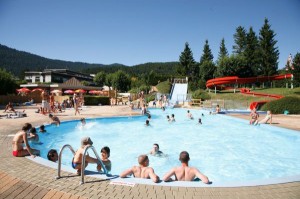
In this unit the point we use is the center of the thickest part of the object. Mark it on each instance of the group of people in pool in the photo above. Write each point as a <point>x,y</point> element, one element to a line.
<point>254,118</point>
<point>181,173</point>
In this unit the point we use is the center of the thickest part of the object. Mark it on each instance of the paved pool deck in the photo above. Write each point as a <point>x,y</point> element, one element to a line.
<point>23,178</point>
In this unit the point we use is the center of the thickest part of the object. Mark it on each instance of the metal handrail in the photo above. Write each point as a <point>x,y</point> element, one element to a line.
<point>83,161</point>
<point>59,158</point>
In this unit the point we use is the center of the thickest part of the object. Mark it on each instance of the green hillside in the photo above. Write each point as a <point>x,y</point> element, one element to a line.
<point>17,62</point>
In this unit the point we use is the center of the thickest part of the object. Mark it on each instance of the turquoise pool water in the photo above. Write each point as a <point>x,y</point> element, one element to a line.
<point>225,149</point>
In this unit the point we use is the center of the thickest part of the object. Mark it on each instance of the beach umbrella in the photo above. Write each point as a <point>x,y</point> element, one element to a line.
<point>56,91</point>
<point>69,91</point>
<point>80,91</point>
<point>37,89</point>
<point>23,90</point>
<point>95,92</point>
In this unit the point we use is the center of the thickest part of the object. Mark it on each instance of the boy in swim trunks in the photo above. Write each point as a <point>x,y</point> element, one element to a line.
<point>21,138</point>
<point>76,162</point>
<point>141,171</point>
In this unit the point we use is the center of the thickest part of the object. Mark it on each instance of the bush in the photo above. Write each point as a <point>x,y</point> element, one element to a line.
<point>279,106</point>
<point>201,94</point>
<point>96,100</point>
<point>164,87</point>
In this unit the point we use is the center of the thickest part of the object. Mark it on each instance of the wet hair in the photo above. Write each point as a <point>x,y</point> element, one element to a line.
<point>26,127</point>
<point>188,111</point>
<point>149,116</point>
<point>173,115</point>
<point>199,121</point>
<point>82,119</point>
<point>42,127</point>
<point>147,122</point>
<point>51,153</point>
<point>168,116</point>
<point>184,157</point>
<point>50,115</point>
<point>106,150</point>
<point>33,130</point>
<point>142,159</point>
<point>156,145</point>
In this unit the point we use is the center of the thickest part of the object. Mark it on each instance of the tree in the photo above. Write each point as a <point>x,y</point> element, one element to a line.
<point>232,66</point>
<point>207,71</point>
<point>100,79</point>
<point>207,55</point>
<point>223,50</point>
<point>207,67</point>
<point>109,81</point>
<point>269,51</point>
<point>7,83</point>
<point>186,60</point>
<point>251,54</point>
<point>239,40</point>
<point>121,81</point>
<point>295,70</point>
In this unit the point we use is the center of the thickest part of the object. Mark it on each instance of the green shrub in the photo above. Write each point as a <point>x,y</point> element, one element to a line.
<point>201,94</point>
<point>164,87</point>
<point>279,106</point>
<point>96,100</point>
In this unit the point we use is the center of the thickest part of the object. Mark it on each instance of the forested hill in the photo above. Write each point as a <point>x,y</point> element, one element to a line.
<point>17,62</point>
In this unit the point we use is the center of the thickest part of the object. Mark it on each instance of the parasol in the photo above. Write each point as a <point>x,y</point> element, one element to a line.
<point>69,91</point>
<point>80,91</point>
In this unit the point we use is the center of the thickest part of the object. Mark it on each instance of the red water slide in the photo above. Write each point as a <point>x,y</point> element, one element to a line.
<point>217,82</point>
<point>212,83</point>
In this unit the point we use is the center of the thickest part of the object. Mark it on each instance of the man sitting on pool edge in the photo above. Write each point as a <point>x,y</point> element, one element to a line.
<point>185,173</point>
<point>141,171</point>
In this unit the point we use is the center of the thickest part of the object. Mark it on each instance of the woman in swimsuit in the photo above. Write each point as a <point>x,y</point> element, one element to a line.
<point>19,139</point>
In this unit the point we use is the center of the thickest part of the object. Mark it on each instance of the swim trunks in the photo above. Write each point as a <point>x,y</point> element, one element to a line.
<point>17,153</point>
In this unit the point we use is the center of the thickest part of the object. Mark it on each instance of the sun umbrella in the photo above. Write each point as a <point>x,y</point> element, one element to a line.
<point>80,91</point>
<point>37,89</point>
<point>69,91</point>
<point>56,91</point>
<point>23,90</point>
<point>95,92</point>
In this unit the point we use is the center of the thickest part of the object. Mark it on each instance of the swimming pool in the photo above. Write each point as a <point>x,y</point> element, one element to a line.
<point>225,149</point>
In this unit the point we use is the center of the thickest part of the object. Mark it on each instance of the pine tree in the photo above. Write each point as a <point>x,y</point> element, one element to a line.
<point>207,55</point>
<point>269,52</point>
<point>223,50</point>
<point>240,40</point>
<point>207,67</point>
<point>251,54</point>
<point>295,70</point>
<point>186,60</point>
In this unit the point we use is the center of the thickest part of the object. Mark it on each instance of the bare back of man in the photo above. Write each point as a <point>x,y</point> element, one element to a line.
<point>184,173</point>
<point>141,171</point>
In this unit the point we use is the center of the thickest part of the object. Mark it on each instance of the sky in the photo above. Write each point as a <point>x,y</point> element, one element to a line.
<point>132,32</point>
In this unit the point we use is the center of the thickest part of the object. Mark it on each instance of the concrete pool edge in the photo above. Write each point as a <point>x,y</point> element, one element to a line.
<point>264,182</point>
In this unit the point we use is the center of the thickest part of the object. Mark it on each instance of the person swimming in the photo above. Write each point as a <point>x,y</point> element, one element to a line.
<point>199,121</point>
<point>155,150</point>
<point>147,123</point>
<point>189,115</point>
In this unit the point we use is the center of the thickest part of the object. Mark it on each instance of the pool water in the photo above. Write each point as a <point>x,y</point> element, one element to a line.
<point>224,148</point>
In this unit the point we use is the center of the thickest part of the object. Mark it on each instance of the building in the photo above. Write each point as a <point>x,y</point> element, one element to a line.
<point>55,76</point>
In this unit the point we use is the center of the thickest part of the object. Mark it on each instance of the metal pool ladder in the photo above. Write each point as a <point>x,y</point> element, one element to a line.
<point>83,160</point>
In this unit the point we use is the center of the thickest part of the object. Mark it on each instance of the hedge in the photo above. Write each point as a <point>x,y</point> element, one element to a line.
<point>291,104</point>
<point>96,100</point>
<point>201,94</point>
